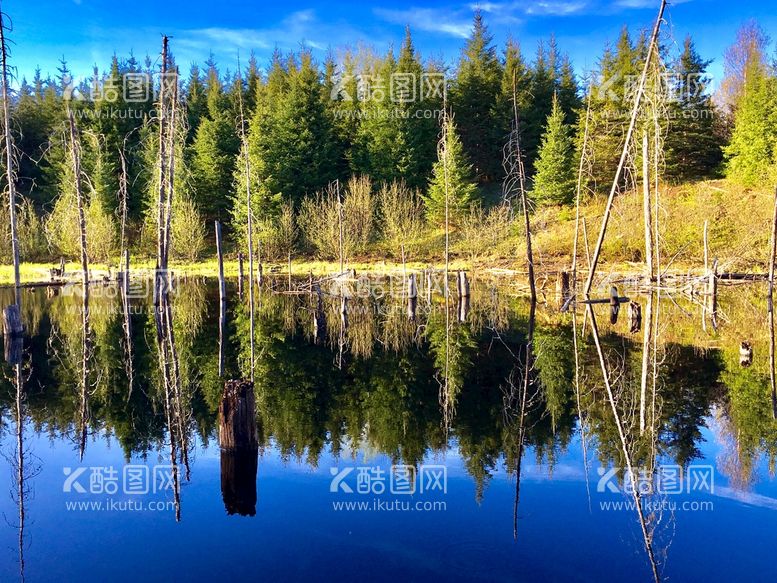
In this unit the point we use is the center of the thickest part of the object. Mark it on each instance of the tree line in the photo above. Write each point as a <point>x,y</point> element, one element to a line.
<point>361,130</point>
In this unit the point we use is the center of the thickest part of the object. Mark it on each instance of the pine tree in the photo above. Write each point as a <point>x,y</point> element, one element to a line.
<point>451,175</point>
<point>292,143</point>
<point>554,182</point>
<point>610,100</point>
<point>693,146</point>
<point>474,96</point>
<point>213,153</point>
<point>515,78</point>
<point>752,154</point>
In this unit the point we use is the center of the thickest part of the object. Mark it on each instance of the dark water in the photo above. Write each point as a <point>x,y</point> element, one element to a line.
<point>454,451</point>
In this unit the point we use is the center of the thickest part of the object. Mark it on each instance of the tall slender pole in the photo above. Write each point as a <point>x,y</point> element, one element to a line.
<point>524,200</point>
<point>579,189</point>
<point>624,153</point>
<point>9,163</point>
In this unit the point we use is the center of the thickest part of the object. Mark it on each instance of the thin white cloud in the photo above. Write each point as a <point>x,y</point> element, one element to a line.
<point>428,20</point>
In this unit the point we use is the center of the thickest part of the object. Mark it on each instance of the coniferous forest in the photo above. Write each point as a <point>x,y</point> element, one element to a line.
<point>363,129</point>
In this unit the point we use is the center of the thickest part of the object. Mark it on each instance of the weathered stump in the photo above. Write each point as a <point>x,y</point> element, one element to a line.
<point>239,447</point>
<point>635,317</point>
<point>237,420</point>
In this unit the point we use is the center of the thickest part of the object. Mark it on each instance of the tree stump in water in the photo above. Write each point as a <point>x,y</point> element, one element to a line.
<point>239,447</point>
<point>463,285</point>
<point>237,420</point>
<point>562,288</point>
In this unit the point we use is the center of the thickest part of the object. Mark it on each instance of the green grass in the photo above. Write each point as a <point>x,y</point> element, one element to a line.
<point>738,220</point>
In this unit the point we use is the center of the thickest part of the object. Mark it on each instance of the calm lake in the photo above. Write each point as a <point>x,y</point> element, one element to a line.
<point>398,440</point>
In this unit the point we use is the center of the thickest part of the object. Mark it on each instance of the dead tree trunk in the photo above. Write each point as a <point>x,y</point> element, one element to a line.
<point>75,158</point>
<point>10,175</point>
<point>237,416</point>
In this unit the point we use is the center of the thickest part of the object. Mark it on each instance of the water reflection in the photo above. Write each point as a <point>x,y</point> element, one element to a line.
<point>492,376</point>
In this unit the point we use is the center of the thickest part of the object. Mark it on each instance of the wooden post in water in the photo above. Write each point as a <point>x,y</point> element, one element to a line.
<point>463,284</point>
<point>220,255</point>
<point>429,284</point>
<point>239,447</point>
<point>412,297</point>
<point>712,294</point>
<point>563,288</point>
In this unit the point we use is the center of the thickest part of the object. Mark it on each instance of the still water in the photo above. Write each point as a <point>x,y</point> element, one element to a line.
<point>477,440</point>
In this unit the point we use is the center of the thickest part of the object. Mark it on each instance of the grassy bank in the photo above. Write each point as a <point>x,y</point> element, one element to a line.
<point>738,230</point>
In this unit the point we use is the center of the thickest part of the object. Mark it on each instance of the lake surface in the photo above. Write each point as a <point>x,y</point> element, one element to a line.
<point>466,441</point>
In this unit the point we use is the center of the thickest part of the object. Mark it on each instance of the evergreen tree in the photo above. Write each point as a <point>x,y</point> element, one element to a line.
<point>693,146</point>
<point>554,182</point>
<point>610,108</point>
<point>213,153</point>
<point>752,154</point>
<point>474,96</point>
<point>451,175</point>
<point>291,138</point>
<point>514,71</point>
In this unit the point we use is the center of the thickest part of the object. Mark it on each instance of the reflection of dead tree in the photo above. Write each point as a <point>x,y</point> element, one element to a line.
<point>127,325</point>
<point>171,389</point>
<point>517,403</point>
<point>86,348</point>
<point>770,309</point>
<point>581,415</point>
<point>647,535</point>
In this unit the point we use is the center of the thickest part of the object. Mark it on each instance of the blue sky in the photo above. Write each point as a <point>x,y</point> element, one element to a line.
<point>86,32</point>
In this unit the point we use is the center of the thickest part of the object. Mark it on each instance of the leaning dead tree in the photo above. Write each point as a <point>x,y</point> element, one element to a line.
<point>652,50</point>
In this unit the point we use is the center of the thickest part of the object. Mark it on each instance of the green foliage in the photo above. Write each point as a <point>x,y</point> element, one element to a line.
<point>554,182</point>
<point>752,154</point>
<point>451,179</point>
<point>474,97</point>
<point>693,142</point>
